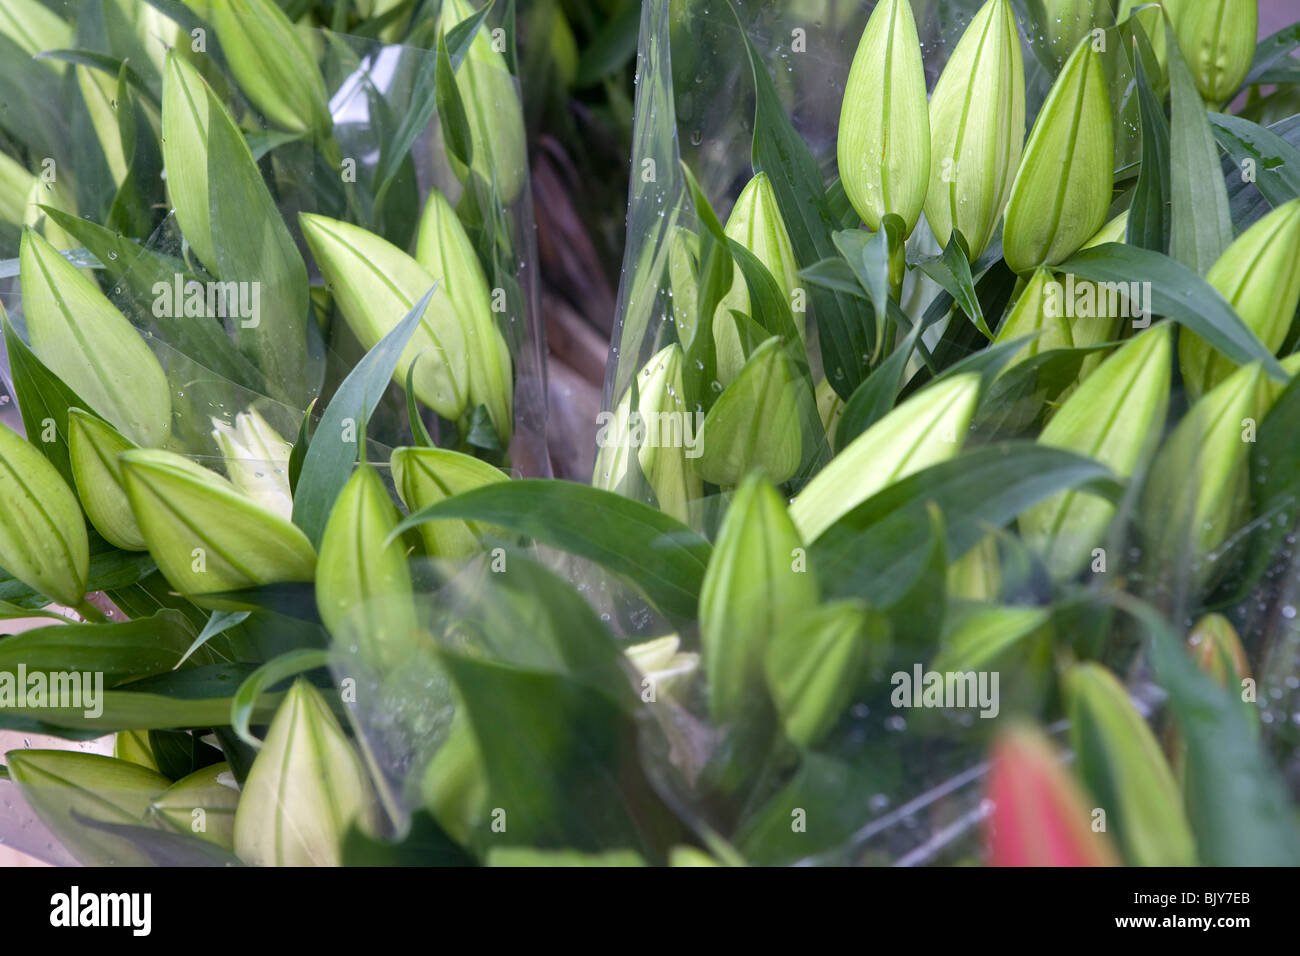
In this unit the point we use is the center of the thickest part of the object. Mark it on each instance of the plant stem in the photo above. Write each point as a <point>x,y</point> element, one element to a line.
<point>91,614</point>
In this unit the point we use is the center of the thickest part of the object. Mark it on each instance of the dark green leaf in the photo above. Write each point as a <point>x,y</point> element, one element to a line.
<point>1149,215</point>
<point>1276,162</point>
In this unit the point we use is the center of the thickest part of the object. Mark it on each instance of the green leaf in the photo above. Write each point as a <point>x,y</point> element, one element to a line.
<point>329,460</point>
<point>875,397</point>
<point>272,672</point>
<point>121,651</point>
<point>1180,294</point>
<point>1276,162</point>
<point>952,272</point>
<point>111,65</point>
<point>424,844</point>
<point>1271,51</point>
<point>1201,223</point>
<point>451,108</point>
<point>1151,209</point>
<point>662,557</point>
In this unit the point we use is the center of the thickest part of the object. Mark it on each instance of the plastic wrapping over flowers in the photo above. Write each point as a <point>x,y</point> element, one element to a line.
<point>945,494</point>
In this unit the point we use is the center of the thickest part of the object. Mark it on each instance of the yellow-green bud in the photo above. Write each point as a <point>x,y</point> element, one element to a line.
<point>1030,316</point>
<point>186,114</point>
<point>1153,25</point>
<point>93,448</point>
<point>1062,191</point>
<point>977,129</point>
<point>43,539</point>
<point>1115,416</point>
<point>829,408</point>
<point>201,804</point>
<point>662,664</point>
<point>21,196</point>
<point>133,745</point>
<point>257,460</point>
<point>1217,38</point>
<point>375,284</point>
<point>1066,22</point>
<point>91,346</point>
<point>928,428</point>
<point>204,535</point>
<point>305,789</point>
<point>1259,275</point>
<point>884,135</point>
<point>425,476</point>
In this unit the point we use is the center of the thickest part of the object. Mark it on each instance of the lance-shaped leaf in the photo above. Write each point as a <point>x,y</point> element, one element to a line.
<point>99,90</point>
<point>93,447</point>
<point>928,428</point>
<point>271,63</point>
<point>60,783</point>
<point>884,133</point>
<point>201,803</point>
<point>977,129</point>
<point>445,251</point>
<point>375,284</point>
<point>363,585</point>
<point>754,425</point>
<point>91,346</point>
<point>1115,417</point>
<point>207,537</point>
<point>1152,20</point>
<point>1259,276</point>
<point>1062,191</point>
<point>425,476</point>
<point>1217,38</point>
<point>814,665</point>
<point>305,790</point>
<point>1040,815</point>
<point>34,27</point>
<point>42,536</point>
<point>756,585</point>
<point>755,222</point>
<point>1124,768</point>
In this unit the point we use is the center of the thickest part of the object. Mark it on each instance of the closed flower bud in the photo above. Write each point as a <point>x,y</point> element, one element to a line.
<point>305,790</point>
<point>91,346</point>
<point>754,587</point>
<point>977,129</point>
<point>1041,817</point>
<point>683,275</point>
<point>1066,22</point>
<point>257,460</point>
<point>272,65</point>
<point>445,251</point>
<point>755,222</point>
<point>1114,416</point>
<point>22,195</point>
<point>1030,316</point>
<point>425,476</point>
<point>363,584</point>
<point>1123,765</point>
<point>496,120</point>
<point>884,135</point>
<point>1062,191</point>
<point>657,432</point>
<point>1217,39</point>
<point>59,783</point>
<point>928,428</point>
<point>977,574</point>
<point>813,666</point>
<point>1216,648</point>
<point>201,804</point>
<point>133,745</point>
<point>186,115</point>
<point>93,448</point>
<point>42,536</point>
<point>829,408</point>
<point>662,664</point>
<point>204,535</point>
<point>1152,19</point>
<point>1259,275</point>
<point>375,284</point>
<point>754,424</point>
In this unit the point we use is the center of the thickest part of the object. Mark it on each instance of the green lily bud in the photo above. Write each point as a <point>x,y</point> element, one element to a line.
<point>754,424</point>
<point>363,585</point>
<point>1094,330</point>
<point>977,129</point>
<point>446,252</point>
<point>1123,766</point>
<point>133,746</point>
<point>1062,191</point>
<point>185,119</point>
<point>158,33</point>
<point>661,432</point>
<point>755,222</point>
<point>375,284</point>
<point>813,666</point>
<point>496,120</point>
<point>272,65</point>
<point>1066,22</point>
<point>35,28</point>
<point>305,789</point>
<point>1217,38</point>
<point>662,664</point>
<point>59,783</point>
<point>977,574</point>
<point>455,785</point>
<point>829,408</point>
<point>1030,315</point>
<point>690,856</point>
<point>99,90</point>
<point>89,344</point>
<point>93,447</point>
<point>424,476</point>
<point>1259,275</point>
<point>755,586</point>
<point>202,804</point>
<point>1216,648</point>
<point>257,460</point>
<point>1114,416</point>
<point>564,48</point>
<point>204,535</point>
<point>1198,490</point>
<point>928,428</point>
<point>43,539</point>
<point>884,137</point>
<point>683,276</point>
<point>1153,25</point>
<point>22,195</point>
